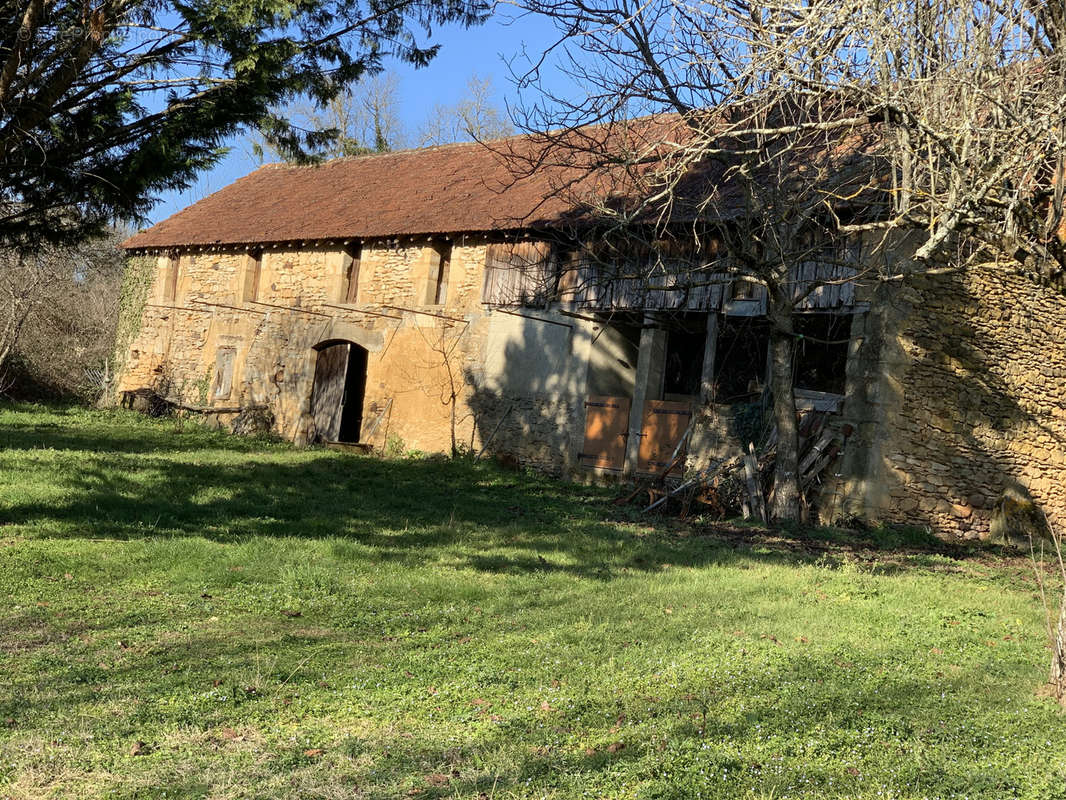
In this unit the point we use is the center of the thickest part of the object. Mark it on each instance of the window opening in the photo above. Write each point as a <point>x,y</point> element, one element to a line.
<point>437,285</point>
<point>821,353</point>
<point>253,266</point>
<point>740,359</point>
<point>684,362</point>
<point>170,279</point>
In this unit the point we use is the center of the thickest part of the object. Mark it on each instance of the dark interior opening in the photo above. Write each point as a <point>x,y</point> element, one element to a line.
<point>684,361</point>
<point>354,392</point>
<point>740,358</point>
<point>821,351</point>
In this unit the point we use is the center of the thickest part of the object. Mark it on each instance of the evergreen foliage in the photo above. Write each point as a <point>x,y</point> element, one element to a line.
<point>109,102</point>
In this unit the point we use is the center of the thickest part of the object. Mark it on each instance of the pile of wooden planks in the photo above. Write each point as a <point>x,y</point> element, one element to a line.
<point>743,483</point>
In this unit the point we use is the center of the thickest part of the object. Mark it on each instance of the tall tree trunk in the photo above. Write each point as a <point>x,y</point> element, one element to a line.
<point>1058,654</point>
<point>786,502</point>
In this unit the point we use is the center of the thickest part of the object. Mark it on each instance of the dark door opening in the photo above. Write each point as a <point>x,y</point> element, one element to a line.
<point>338,392</point>
<point>354,391</point>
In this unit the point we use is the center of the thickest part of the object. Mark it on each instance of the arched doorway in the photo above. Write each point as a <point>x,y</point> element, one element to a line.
<point>338,390</point>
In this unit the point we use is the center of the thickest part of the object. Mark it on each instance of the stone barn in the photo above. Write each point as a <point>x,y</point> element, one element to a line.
<point>431,300</point>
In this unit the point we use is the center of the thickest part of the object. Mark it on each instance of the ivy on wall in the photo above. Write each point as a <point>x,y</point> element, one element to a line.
<point>136,288</point>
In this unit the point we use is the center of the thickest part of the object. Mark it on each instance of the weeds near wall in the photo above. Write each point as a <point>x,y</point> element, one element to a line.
<point>136,287</point>
<point>203,386</point>
<point>1053,599</point>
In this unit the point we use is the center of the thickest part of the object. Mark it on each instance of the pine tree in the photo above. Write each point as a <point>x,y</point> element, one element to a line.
<point>106,103</point>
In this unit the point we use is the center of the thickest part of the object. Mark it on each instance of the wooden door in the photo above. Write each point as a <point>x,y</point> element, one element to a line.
<point>327,395</point>
<point>606,427</point>
<point>664,423</point>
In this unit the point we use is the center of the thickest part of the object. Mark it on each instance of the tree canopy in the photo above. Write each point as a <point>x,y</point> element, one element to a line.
<point>802,126</point>
<point>108,102</point>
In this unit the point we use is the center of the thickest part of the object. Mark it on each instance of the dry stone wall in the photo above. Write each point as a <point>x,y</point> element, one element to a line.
<point>971,384</point>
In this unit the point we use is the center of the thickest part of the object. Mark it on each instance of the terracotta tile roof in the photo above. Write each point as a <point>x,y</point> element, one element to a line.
<point>448,189</point>
<point>530,181</point>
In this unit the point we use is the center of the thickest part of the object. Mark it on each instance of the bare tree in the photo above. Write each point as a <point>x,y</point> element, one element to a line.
<point>1054,602</point>
<point>796,126</point>
<point>23,279</point>
<point>753,175</point>
<point>360,120</point>
<point>59,313</point>
<point>475,118</point>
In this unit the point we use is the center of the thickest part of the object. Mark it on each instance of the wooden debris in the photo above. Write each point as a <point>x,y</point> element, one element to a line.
<point>372,428</point>
<point>751,476</point>
<point>737,484</point>
<point>677,458</point>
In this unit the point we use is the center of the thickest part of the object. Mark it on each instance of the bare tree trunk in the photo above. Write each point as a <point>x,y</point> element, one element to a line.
<point>786,501</point>
<point>1057,632</point>
<point>1054,610</point>
<point>1058,654</point>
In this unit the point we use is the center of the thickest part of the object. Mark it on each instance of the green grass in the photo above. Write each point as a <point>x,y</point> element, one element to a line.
<point>193,615</point>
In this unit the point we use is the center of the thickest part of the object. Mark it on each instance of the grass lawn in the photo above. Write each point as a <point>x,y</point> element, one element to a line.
<point>188,614</point>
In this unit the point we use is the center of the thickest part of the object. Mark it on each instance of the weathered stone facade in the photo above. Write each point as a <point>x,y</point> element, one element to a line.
<point>948,390</point>
<point>958,392</point>
<point>956,385</point>
<point>423,358</point>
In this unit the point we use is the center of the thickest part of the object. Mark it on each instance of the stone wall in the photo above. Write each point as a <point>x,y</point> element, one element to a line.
<point>426,363</point>
<point>956,386</point>
<point>962,393</point>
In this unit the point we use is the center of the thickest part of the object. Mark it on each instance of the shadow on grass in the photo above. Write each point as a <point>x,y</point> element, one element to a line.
<point>124,477</point>
<point>146,480</point>
<point>679,731</point>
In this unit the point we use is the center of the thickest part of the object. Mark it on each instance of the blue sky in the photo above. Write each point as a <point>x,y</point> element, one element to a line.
<point>483,51</point>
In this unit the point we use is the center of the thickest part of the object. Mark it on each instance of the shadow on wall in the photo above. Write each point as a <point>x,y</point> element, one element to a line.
<point>528,402</point>
<point>977,360</point>
<point>981,369</point>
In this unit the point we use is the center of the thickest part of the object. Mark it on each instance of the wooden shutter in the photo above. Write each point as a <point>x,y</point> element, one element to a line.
<point>664,424</point>
<point>253,265</point>
<point>439,262</point>
<point>224,358</point>
<point>170,278</point>
<point>606,425</point>
<point>352,259</point>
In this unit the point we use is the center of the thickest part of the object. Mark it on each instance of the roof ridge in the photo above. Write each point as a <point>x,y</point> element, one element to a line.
<point>458,186</point>
<point>405,151</point>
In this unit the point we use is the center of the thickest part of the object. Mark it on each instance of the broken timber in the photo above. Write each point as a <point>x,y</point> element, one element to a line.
<point>819,447</point>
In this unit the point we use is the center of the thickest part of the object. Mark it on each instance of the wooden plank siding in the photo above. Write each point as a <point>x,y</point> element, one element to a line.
<point>531,274</point>
<point>519,274</point>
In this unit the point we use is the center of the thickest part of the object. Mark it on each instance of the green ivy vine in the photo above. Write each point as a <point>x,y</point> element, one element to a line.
<point>136,287</point>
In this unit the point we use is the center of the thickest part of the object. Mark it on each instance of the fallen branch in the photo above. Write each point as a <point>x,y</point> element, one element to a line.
<point>703,477</point>
<point>751,471</point>
<point>492,435</point>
